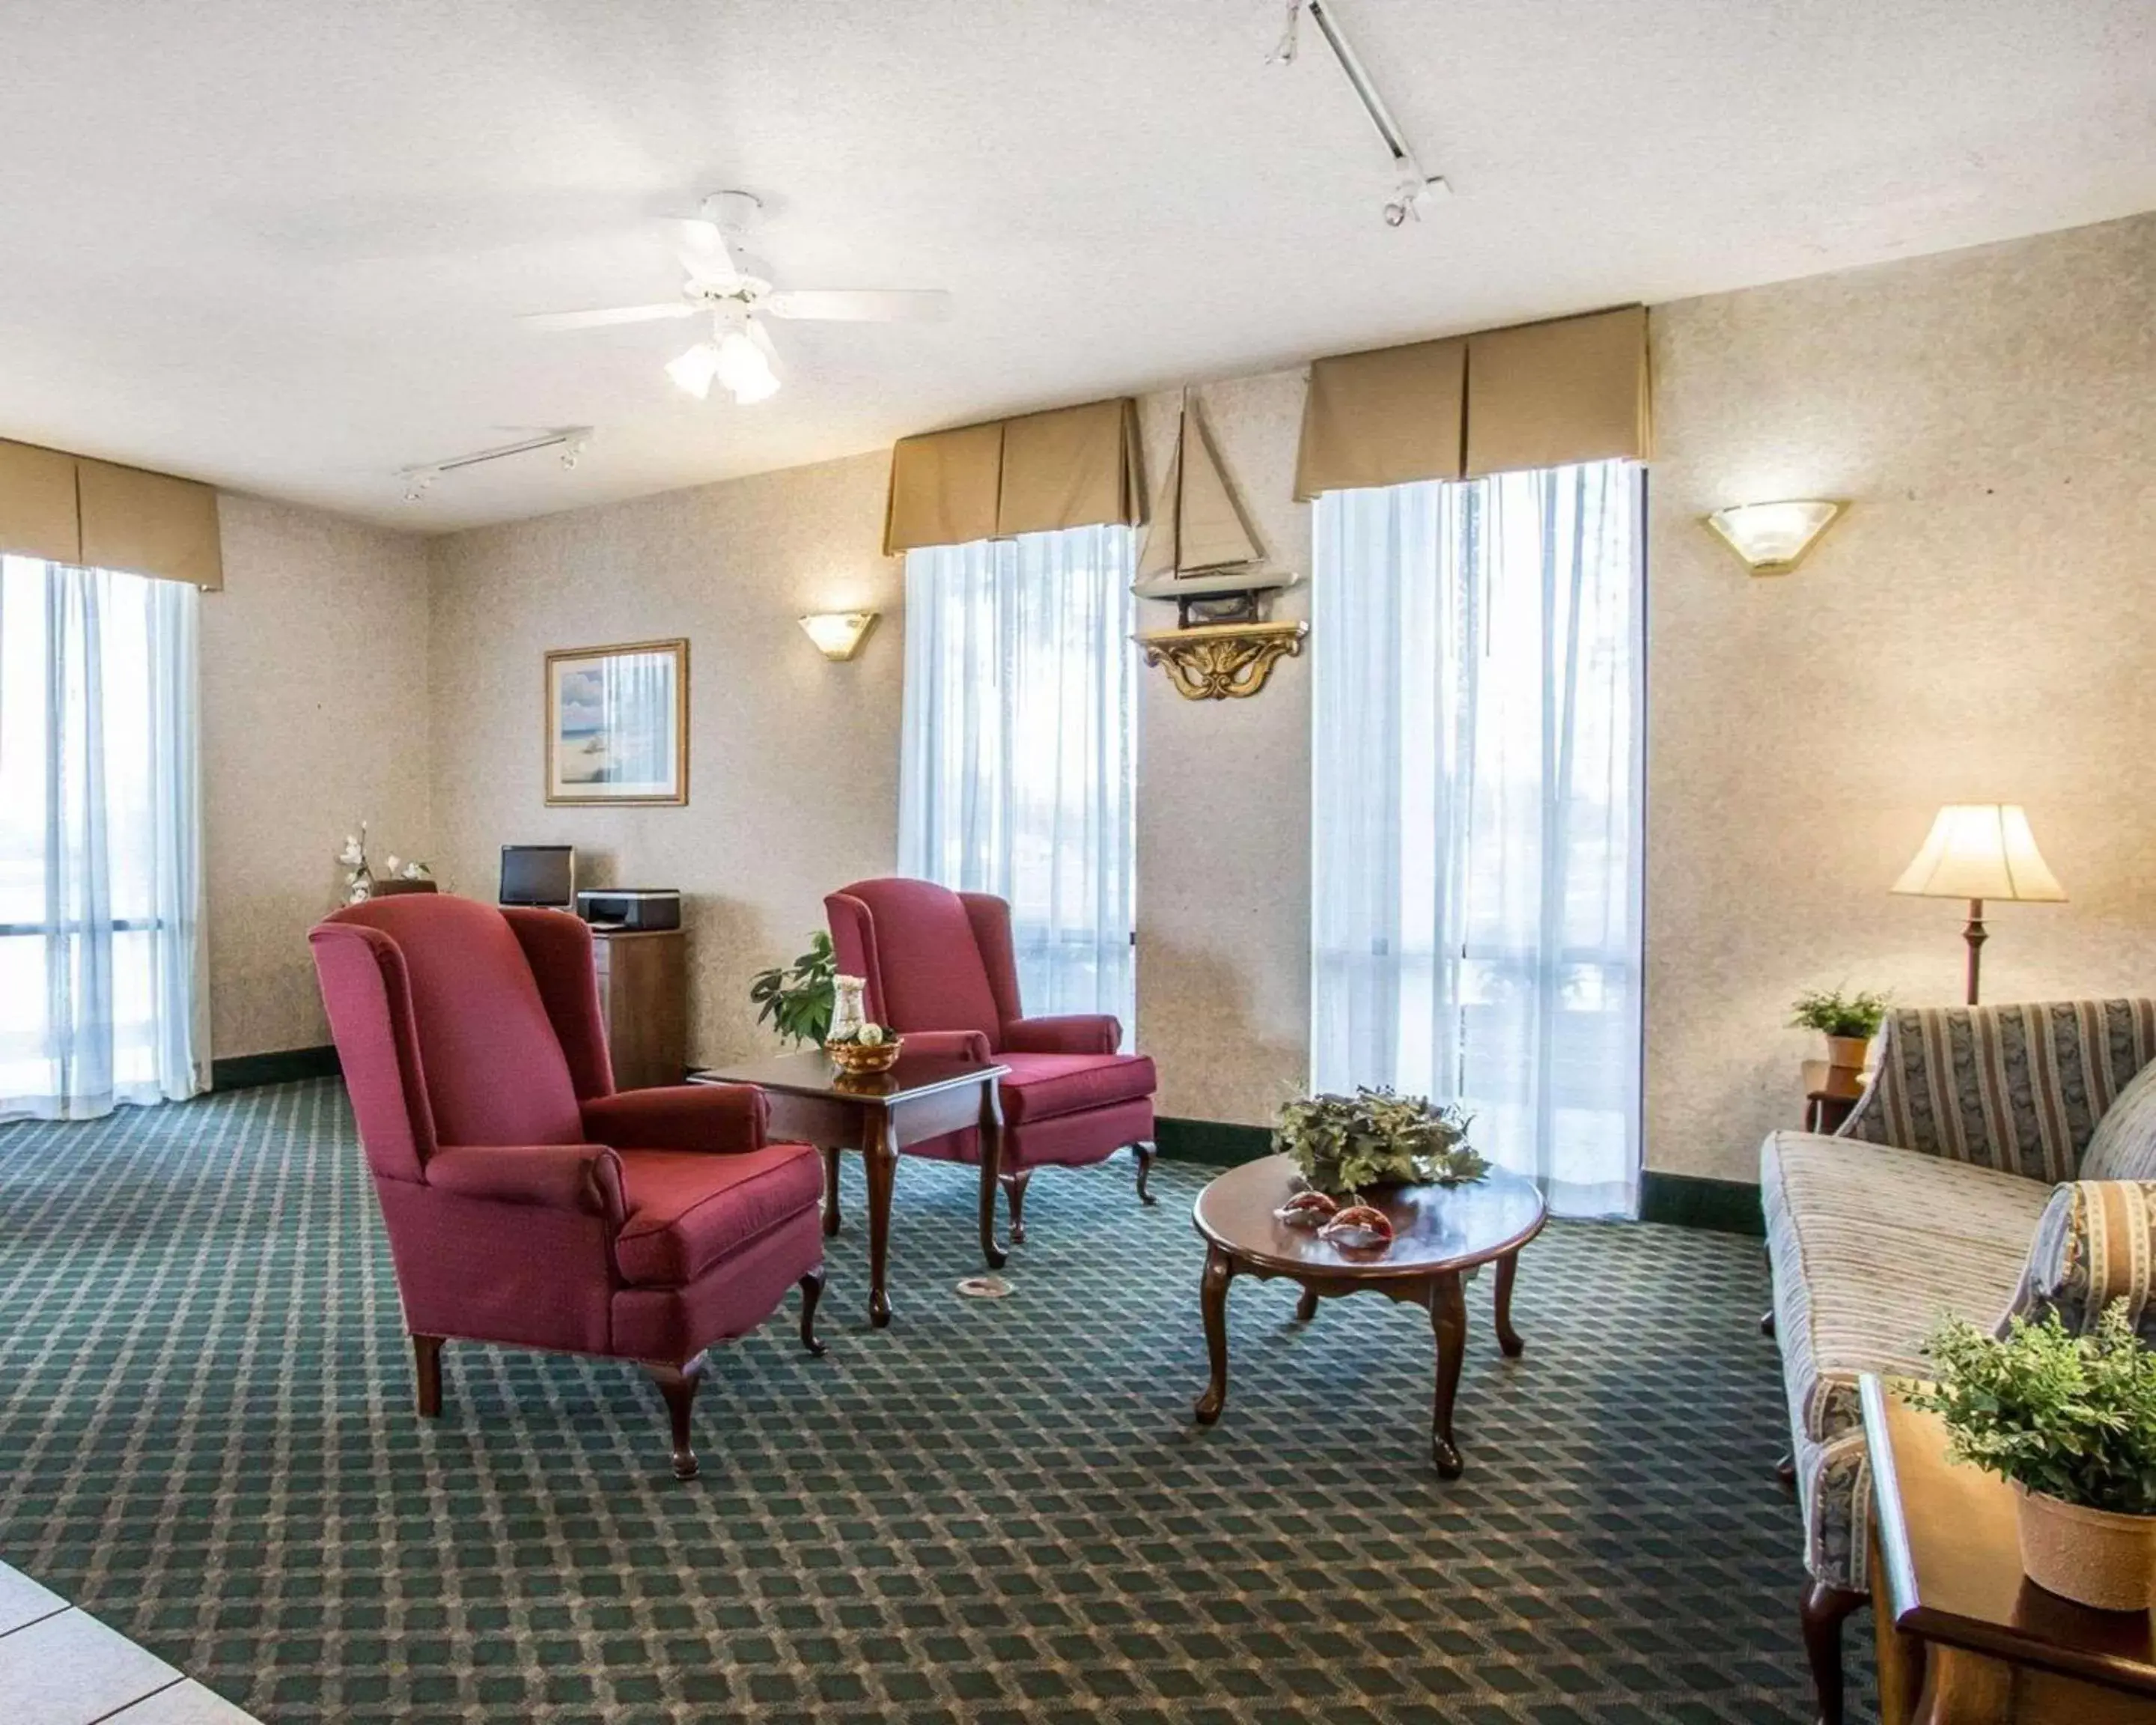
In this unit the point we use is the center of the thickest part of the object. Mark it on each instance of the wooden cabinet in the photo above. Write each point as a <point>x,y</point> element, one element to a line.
<point>643,999</point>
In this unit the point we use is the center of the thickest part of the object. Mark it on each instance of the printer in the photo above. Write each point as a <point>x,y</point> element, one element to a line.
<point>630,910</point>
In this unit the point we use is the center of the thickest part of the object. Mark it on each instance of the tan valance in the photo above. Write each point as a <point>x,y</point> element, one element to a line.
<point>1073,467</point>
<point>1538,395</point>
<point>70,508</point>
<point>1070,467</point>
<point>1544,394</point>
<point>944,485</point>
<point>37,514</point>
<point>1383,418</point>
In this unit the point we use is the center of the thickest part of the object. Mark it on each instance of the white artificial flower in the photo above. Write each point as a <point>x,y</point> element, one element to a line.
<point>871,1036</point>
<point>393,864</point>
<point>351,856</point>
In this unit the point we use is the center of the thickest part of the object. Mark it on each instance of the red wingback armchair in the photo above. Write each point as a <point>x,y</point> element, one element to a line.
<point>527,1201</point>
<point>939,968</point>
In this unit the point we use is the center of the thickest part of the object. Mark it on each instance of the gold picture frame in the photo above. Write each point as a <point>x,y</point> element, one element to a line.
<point>617,724</point>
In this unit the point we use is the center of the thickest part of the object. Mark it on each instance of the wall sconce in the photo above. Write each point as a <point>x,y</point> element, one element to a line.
<point>839,634</point>
<point>1772,537</point>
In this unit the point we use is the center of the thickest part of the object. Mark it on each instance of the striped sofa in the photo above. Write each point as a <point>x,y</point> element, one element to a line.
<point>1967,1144</point>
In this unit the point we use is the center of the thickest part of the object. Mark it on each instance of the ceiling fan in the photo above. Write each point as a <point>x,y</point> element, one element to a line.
<point>734,290</point>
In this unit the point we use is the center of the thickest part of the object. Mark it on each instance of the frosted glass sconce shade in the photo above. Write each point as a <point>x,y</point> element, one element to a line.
<point>839,634</point>
<point>1772,537</point>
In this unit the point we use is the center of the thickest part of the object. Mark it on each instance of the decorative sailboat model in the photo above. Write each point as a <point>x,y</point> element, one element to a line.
<point>1201,555</point>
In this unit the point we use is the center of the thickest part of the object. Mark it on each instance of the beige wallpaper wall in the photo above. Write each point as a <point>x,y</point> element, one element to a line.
<point>1224,810</point>
<point>792,760</point>
<point>314,718</point>
<point>1977,628</point>
<point>1980,628</point>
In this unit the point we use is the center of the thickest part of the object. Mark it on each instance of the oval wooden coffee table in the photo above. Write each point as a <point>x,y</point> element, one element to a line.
<point>1442,1231</point>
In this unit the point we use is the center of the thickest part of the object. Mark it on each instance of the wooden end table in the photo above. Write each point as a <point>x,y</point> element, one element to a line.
<point>922,1096</point>
<point>1442,1230</point>
<point>1964,1637</point>
<point>1830,1092</point>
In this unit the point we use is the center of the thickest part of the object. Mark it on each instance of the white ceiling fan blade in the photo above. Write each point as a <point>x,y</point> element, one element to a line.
<point>705,253</point>
<point>606,314</point>
<point>859,304</point>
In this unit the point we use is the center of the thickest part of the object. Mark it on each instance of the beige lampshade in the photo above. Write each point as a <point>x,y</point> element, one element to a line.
<point>1981,850</point>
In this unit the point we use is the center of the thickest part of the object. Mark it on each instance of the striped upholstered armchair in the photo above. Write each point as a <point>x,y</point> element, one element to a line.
<point>1970,1179</point>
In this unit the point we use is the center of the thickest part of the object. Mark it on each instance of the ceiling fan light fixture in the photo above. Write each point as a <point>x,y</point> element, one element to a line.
<point>741,363</point>
<point>692,372</point>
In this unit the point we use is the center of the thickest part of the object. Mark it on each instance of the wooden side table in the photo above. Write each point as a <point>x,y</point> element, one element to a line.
<point>1829,1093</point>
<point>922,1096</point>
<point>643,1002</point>
<point>1964,1637</point>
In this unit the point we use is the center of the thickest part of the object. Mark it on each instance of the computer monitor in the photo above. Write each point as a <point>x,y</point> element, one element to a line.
<point>539,875</point>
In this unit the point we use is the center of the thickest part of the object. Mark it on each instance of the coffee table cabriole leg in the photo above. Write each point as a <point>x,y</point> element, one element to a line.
<point>1448,1318</point>
<point>992,1147</point>
<point>1306,1308</point>
<point>1213,1299</point>
<point>1508,1339</point>
<point>879,1157</point>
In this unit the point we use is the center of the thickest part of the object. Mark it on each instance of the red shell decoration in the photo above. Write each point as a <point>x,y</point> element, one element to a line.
<point>1306,1209</point>
<point>1359,1225</point>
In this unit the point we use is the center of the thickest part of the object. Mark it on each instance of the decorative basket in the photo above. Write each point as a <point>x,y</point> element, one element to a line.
<point>862,1058</point>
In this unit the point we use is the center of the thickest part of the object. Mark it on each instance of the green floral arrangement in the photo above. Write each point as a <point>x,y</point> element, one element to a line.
<point>1832,1013</point>
<point>1343,1144</point>
<point>2069,1416</point>
<point>796,999</point>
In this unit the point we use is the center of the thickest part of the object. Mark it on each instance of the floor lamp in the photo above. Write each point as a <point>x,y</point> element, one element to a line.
<point>1976,851</point>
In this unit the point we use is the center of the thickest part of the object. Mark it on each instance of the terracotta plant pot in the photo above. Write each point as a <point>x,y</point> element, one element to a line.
<point>1846,1053</point>
<point>2094,1557</point>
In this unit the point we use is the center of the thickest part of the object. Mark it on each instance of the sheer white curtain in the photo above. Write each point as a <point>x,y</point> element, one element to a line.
<point>1016,759</point>
<point>1476,677</point>
<point>102,998</point>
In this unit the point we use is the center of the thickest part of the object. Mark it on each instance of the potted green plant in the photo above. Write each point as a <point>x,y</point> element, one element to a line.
<point>2070,1420</point>
<point>1849,1022</point>
<point>796,999</point>
<point>1346,1144</point>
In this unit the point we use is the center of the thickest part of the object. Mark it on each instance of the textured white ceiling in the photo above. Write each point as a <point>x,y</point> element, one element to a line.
<point>281,244</point>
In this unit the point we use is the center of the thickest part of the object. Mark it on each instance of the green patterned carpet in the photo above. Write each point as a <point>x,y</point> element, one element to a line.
<point>995,1513</point>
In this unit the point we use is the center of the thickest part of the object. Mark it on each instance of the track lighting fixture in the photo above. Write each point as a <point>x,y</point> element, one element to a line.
<point>1413,184</point>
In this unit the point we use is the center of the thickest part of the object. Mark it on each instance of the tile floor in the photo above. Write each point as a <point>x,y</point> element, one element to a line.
<point>62,1667</point>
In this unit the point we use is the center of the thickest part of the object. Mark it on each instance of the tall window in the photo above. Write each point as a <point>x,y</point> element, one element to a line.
<point>1016,765</point>
<point>100,863</point>
<point>1476,805</point>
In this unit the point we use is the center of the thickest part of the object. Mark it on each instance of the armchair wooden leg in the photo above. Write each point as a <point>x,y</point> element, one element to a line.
<point>1785,1473</point>
<point>811,1290</point>
<point>679,1384</point>
<point>1144,1153</point>
<point>427,1371</point>
<point>1014,1195</point>
<point>1825,1610</point>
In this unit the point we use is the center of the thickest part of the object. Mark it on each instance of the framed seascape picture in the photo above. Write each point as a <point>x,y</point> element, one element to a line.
<point>618,723</point>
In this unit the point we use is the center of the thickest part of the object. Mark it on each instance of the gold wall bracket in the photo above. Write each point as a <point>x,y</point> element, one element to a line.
<point>1219,660</point>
